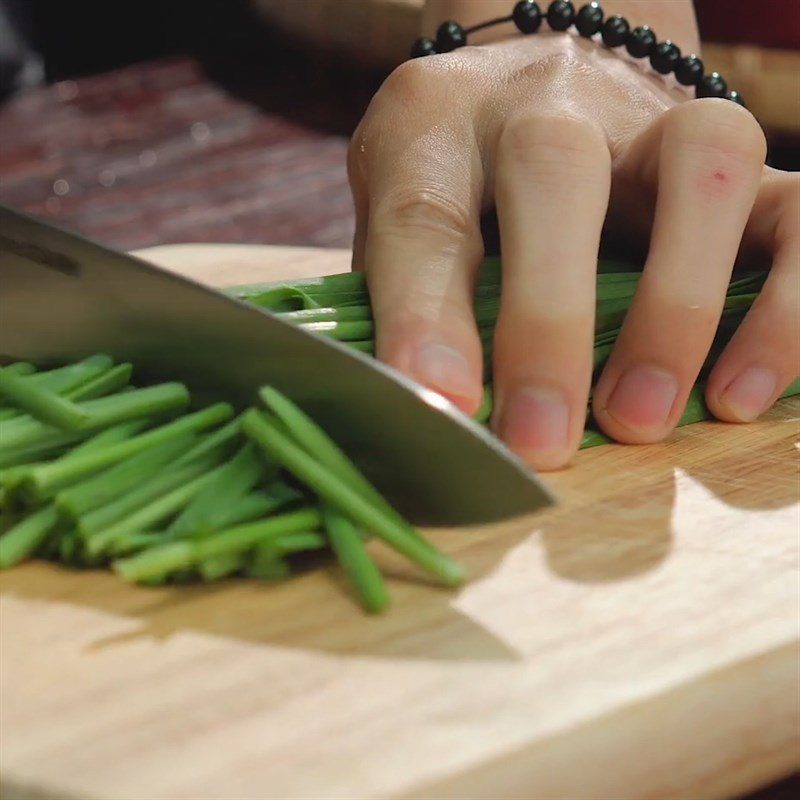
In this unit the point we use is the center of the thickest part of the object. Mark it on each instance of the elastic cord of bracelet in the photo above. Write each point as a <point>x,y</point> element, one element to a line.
<point>641,42</point>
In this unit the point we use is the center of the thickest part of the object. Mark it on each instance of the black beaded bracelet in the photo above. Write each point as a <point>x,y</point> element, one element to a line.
<point>641,42</point>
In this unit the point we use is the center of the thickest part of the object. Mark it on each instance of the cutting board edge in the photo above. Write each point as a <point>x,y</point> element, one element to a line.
<point>540,765</point>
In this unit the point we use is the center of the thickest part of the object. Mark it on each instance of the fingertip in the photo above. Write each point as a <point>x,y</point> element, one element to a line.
<point>746,397</point>
<point>639,406</point>
<point>445,369</point>
<point>535,423</point>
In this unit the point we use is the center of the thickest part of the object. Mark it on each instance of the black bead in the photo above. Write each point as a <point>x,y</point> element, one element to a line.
<point>424,46</point>
<point>527,16</point>
<point>615,31</point>
<point>664,57</point>
<point>712,85</point>
<point>450,36</point>
<point>689,70</point>
<point>589,19</point>
<point>640,41</point>
<point>735,97</point>
<point>560,15</point>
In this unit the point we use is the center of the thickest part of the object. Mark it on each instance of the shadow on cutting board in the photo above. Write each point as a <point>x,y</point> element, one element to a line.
<point>620,508</point>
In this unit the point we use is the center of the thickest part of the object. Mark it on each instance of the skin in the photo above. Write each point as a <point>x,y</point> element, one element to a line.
<point>567,140</point>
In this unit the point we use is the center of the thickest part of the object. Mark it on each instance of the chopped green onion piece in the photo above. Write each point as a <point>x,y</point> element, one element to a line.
<point>158,485</point>
<point>101,413</point>
<point>168,558</point>
<point>352,504</point>
<point>356,562</point>
<point>316,442</point>
<point>108,382</point>
<point>100,489</point>
<point>23,539</point>
<point>57,474</point>
<point>232,481</point>
<point>43,405</point>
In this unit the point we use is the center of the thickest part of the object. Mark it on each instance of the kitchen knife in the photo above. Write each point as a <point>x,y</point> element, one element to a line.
<point>63,298</point>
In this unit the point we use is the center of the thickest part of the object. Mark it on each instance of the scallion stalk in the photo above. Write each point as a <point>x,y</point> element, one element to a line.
<point>352,504</point>
<point>42,404</point>
<point>62,472</point>
<point>168,558</point>
<point>356,562</point>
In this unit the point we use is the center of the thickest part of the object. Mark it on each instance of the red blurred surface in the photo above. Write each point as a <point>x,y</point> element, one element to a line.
<point>769,23</point>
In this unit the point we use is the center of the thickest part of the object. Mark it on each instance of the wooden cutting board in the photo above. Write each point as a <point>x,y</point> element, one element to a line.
<point>640,640</point>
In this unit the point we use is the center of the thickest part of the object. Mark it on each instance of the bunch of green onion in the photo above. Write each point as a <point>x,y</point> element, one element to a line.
<point>95,472</point>
<point>338,306</point>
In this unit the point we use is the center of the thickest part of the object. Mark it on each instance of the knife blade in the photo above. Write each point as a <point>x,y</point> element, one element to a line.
<point>63,297</point>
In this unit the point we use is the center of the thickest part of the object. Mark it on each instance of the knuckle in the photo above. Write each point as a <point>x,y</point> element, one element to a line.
<point>718,129</point>
<point>413,81</point>
<point>428,209</point>
<point>539,140</point>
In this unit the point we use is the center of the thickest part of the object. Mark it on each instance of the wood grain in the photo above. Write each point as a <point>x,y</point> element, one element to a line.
<point>639,640</point>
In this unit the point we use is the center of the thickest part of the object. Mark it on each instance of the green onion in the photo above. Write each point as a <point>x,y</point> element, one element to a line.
<point>168,558</point>
<point>24,538</point>
<point>336,492</point>
<point>100,489</point>
<point>297,543</point>
<point>20,368</point>
<point>221,440</point>
<point>62,472</point>
<point>156,486</point>
<point>253,506</point>
<point>107,382</point>
<point>217,567</point>
<point>64,379</point>
<point>313,439</point>
<point>230,484</point>
<point>42,404</point>
<point>356,562</point>
<point>265,565</point>
<point>12,477</point>
<point>143,519</point>
<point>100,413</point>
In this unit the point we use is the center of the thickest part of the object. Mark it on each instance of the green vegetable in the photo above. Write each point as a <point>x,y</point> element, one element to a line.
<point>100,413</point>
<point>156,511</point>
<point>313,439</point>
<point>165,559</point>
<point>108,382</point>
<point>252,506</point>
<point>44,405</point>
<point>62,472</point>
<point>119,479</point>
<point>64,379</point>
<point>20,368</point>
<point>22,540</point>
<point>127,506</point>
<point>230,483</point>
<point>356,562</point>
<point>349,502</point>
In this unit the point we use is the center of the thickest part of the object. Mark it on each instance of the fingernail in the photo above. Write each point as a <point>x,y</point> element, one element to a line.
<point>444,369</point>
<point>643,397</point>
<point>535,420</point>
<point>749,395</point>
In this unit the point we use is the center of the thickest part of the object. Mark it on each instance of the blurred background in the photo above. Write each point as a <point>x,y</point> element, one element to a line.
<point>161,121</point>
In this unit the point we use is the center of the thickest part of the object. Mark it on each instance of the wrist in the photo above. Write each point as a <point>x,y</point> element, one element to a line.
<point>671,19</point>
<point>615,31</point>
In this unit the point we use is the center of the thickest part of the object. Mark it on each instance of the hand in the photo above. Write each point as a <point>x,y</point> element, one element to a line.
<point>563,138</point>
